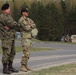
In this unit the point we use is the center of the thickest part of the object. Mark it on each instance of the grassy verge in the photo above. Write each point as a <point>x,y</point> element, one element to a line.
<point>19,49</point>
<point>69,69</point>
<point>33,40</point>
<point>41,49</point>
<point>36,40</point>
<point>58,42</point>
<point>48,42</point>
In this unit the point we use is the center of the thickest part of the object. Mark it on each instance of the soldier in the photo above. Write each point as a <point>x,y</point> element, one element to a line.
<point>7,33</point>
<point>27,29</point>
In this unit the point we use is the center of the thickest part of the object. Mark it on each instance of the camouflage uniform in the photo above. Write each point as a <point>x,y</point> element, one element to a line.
<point>7,35</point>
<point>7,38</point>
<point>27,26</point>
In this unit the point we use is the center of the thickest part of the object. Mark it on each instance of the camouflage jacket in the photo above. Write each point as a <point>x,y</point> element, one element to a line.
<point>27,25</point>
<point>7,20</point>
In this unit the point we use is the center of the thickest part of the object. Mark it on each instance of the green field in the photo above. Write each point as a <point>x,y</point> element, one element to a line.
<point>69,69</point>
<point>19,49</point>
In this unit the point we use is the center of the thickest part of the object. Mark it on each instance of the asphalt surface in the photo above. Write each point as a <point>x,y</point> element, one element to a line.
<point>64,54</point>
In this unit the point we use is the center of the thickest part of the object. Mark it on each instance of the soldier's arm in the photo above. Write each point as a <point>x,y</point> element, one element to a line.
<point>32,24</point>
<point>2,25</point>
<point>3,22</point>
<point>11,22</point>
<point>24,25</point>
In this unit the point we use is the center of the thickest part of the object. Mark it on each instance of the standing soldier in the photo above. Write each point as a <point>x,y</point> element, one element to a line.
<point>28,30</point>
<point>7,33</point>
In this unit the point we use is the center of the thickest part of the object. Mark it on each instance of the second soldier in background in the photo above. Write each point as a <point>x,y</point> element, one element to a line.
<point>27,29</point>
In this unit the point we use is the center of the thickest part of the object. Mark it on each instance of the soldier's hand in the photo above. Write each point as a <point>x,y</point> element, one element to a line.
<point>6,27</point>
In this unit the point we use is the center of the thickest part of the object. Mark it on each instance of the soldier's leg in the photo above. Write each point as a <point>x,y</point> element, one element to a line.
<point>13,51</point>
<point>26,53</point>
<point>12,55</point>
<point>6,48</point>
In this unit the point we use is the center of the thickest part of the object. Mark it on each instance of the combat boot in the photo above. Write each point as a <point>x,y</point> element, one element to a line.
<point>23,68</point>
<point>5,69</point>
<point>29,69</point>
<point>10,67</point>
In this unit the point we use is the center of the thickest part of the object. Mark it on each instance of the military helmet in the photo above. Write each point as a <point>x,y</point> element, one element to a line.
<point>34,32</point>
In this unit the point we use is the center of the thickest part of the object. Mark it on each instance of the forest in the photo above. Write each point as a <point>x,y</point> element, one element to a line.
<point>53,21</point>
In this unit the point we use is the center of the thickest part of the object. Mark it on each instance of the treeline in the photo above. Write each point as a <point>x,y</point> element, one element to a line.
<point>52,22</point>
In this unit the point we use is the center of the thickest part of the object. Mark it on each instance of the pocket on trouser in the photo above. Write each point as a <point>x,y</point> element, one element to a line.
<point>26,43</point>
<point>24,61</point>
<point>26,54</point>
<point>6,44</point>
<point>26,35</point>
<point>5,56</point>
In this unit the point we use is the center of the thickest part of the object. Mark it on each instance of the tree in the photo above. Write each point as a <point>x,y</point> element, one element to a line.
<point>24,5</point>
<point>53,21</point>
<point>47,20</point>
<point>16,12</point>
<point>36,13</point>
<point>64,16</point>
<point>72,21</point>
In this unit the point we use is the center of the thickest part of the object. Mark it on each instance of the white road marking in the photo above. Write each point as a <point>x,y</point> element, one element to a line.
<point>46,65</point>
<point>44,57</point>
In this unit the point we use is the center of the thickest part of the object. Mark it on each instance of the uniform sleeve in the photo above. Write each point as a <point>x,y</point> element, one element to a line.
<point>24,25</point>
<point>11,22</point>
<point>33,25</point>
<point>7,20</point>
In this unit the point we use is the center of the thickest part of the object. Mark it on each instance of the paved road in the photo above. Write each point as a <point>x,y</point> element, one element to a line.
<point>64,53</point>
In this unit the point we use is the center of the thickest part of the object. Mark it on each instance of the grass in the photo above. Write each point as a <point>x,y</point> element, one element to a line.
<point>19,49</point>
<point>58,42</point>
<point>69,69</point>
<point>48,42</point>
<point>33,40</point>
<point>41,49</point>
<point>36,40</point>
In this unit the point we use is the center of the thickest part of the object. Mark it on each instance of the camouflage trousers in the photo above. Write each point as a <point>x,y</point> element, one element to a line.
<point>8,48</point>
<point>26,43</point>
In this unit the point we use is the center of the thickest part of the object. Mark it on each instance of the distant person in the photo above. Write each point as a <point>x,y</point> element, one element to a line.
<point>7,33</point>
<point>67,38</point>
<point>28,31</point>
